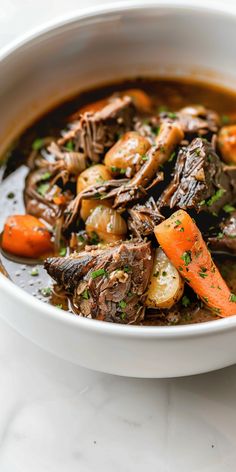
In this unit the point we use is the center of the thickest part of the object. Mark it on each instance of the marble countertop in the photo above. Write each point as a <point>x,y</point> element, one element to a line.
<point>58,417</point>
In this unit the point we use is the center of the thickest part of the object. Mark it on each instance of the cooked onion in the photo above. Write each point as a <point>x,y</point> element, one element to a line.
<point>107,223</point>
<point>88,177</point>
<point>166,286</point>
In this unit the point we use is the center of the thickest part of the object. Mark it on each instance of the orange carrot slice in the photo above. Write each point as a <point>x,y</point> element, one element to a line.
<point>25,235</point>
<point>182,242</point>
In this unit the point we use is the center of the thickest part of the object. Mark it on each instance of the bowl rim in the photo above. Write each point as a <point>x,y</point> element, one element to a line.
<point>45,310</point>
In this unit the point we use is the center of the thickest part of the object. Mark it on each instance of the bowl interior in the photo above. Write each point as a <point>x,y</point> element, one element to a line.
<point>95,48</point>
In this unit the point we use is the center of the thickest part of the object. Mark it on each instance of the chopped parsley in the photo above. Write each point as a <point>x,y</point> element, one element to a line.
<point>232,298</point>
<point>42,189</point>
<point>34,272</point>
<point>122,171</point>
<point>172,156</point>
<point>70,146</point>
<point>205,299</point>
<point>156,274</point>
<point>98,273</point>
<point>220,235</point>
<point>46,176</point>
<point>185,301</point>
<point>46,291</point>
<point>164,273</point>
<point>10,195</point>
<point>171,115</point>
<point>62,251</point>
<point>177,223</point>
<point>122,304</point>
<point>123,315</point>
<point>203,273</point>
<point>162,108</point>
<point>59,306</point>
<point>94,238</point>
<point>144,158</point>
<point>228,208</point>
<point>85,295</point>
<point>216,196</point>
<point>37,144</point>
<point>225,119</point>
<point>186,257</point>
<point>127,269</point>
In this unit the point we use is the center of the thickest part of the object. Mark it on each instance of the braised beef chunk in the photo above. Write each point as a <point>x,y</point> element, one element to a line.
<point>225,240</point>
<point>144,217</point>
<point>200,181</point>
<point>194,120</point>
<point>106,284</point>
<point>97,132</point>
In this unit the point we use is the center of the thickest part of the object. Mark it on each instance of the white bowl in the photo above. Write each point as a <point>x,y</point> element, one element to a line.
<point>64,57</point>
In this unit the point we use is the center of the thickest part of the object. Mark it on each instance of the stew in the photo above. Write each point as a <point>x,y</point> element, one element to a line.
<point>119,204</point>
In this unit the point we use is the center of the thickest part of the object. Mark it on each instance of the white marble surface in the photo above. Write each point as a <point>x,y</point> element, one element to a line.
<point>57,417</point>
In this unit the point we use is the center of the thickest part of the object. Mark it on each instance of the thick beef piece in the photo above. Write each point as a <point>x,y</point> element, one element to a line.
<point>144,217</point>
<point>96,132</point>
<point>194,120</point>
<point>107,284</point>
<point>225,241</point>
<point>201,181</point>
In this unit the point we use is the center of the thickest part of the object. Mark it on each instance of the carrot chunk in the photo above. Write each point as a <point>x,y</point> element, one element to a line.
<point>25,235</point>
<point>182,242</point>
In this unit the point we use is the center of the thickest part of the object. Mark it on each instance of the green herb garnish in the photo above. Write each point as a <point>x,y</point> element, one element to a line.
<point>185,301</point>
<point>144,158</point>
<point>177,223</point>
<point>186,257</point>
<point>172,156</point>
<point>94,239</point>
<point>228,208</point>
<point>46,291</point>
<point>127,269</point>
<point>59,306</point>
<point>85,294</point>
<point>216,196</point>
<point>162,108</point>
<point>122,304</point>
<point>70,146</point>
<point>34,272</point>
<point>45,176</point>
<point>10,195</point>
<point>37,144</point>
<point>42,189</point>
<point>171,115</point>
<point>232,298</point>
<point>225,119</point>
<point>62,251</point>
<point>98,273</point>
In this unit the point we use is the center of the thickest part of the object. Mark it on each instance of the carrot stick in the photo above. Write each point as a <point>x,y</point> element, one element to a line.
<point>182,242</point>
<point>25,235</point>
